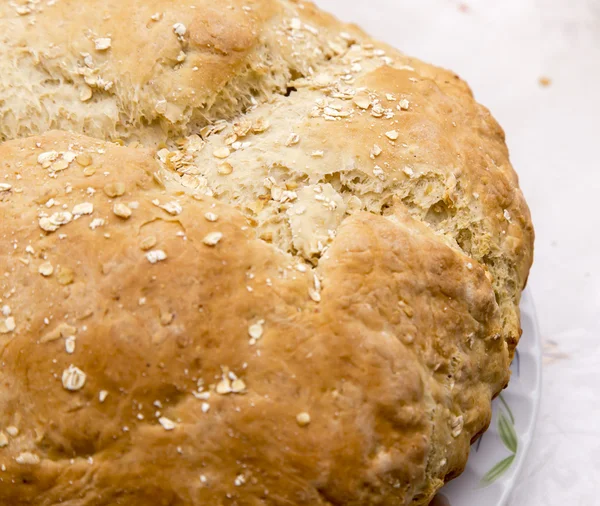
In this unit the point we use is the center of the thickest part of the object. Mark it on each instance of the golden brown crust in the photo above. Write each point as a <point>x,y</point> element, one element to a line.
<point>311,302</point>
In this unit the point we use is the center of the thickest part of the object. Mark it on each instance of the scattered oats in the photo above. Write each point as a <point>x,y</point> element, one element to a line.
<point>301,267</point>
<point>73,378</point>
<point>46,159</point>
<point>221,153</point>
<point>377,111</point>
<point>223,387</point>
<point>181,57</point>
<point>161,107</point>
<point>255,331</point>
<point>179,29</point>
<point>85,93</point>
<point>70,344</point>
<point>140,416</point>
<point>240,479</point>
<point>156,255</point>
<point>334,113</point>
<point>83,208</point>
<point>54,222</point>
<point>12,431</point>
<point>4,187</point>
<point>59,165</point>
<point>173,208</point>
<point>392,135</point>
<point>476,195</point>
<point>456,424</point>
<point>122,211</point>
<point>89,171</point>
<point>142,301</point>
<point>225,169</point>
<point>211,217</point>
<point>46,269</point>
<point>241,128</point>
<point>317,154</point>
<point>114,189</point>
<point>6,310</point>
<point>102,395</point>
<point>63,330</point>
<point>363,101</point>
<point>303,419</point>
<point>23,10</point>
<point>390,97</point>
<point>96,222</point>
<point>408,171</point>
<point>203,478</point>
<point>27,458</point>
<point>166,423</point>
<point>292,140</point>
<point>230,139</point>
<point>315,293</point>
<point>3,440</point>
<point>157,16</point>
<point>470,266</point>
<point>84,159</point>
<point>148,243</point>
<point>375,151</point>
<point>260,125</point>
<point>507,215</point>
<point>238,386</point>
<point>205,407</point>
<point>379,173</point>
<point>102,43</point>
<point>29,249</point>
<point>404,104</point>
<point>311,29</point>
<point>88,60</point>
<point>212,239</point>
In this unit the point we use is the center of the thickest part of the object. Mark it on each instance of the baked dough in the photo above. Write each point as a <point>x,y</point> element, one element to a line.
<point>273,262</point>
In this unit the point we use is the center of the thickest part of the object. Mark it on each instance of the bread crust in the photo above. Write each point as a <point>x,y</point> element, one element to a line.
<point>298,283</point>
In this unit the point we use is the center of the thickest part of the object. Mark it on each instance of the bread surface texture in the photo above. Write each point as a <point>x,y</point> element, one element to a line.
<point>250,256</point>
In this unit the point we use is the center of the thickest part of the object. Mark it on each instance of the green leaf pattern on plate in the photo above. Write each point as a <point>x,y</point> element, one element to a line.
<point>498,470</point>
<point>508,435</point>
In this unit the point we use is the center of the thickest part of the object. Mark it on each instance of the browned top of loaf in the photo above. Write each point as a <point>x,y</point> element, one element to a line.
<point>303,290</point>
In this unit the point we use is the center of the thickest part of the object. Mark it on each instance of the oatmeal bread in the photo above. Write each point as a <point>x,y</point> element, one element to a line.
<point>250,256</point>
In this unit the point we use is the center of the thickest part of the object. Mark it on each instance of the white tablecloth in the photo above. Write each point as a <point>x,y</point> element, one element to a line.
<point>503,48</point>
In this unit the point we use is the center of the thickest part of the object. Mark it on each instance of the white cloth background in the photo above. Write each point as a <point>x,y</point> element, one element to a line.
<point>502,48</point>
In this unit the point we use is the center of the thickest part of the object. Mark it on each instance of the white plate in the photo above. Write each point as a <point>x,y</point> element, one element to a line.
<point>497,457</point>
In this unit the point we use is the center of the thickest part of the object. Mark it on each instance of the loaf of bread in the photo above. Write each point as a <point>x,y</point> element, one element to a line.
<point>249,255</point>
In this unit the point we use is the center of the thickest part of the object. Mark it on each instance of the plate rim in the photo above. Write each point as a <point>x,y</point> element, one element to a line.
<point>527,387</point>
<point>527,300</point>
